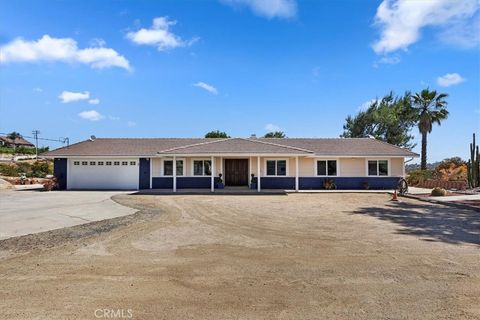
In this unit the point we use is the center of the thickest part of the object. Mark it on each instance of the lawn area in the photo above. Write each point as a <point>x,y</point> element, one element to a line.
<point>298,256</point>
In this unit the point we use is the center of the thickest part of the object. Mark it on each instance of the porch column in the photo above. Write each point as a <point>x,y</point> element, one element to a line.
<point>258,175</point>
<point>174,174</point>
<point>212,181</point>
<point>296,174</point>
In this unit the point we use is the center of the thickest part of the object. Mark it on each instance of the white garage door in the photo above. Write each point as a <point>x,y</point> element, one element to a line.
<point>103,174</point>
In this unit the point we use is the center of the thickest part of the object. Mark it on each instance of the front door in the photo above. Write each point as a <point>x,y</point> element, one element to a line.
<point>236,172</point>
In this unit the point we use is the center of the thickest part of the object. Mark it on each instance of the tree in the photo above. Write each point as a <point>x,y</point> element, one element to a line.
<point>13,136</point>
<point>275,134</point>
<point>217,134</point>
<point>389,119</point>
<point>430,107</point>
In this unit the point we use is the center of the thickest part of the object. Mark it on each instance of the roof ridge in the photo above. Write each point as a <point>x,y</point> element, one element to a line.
<point>196,144</point>
<point>277,145</point>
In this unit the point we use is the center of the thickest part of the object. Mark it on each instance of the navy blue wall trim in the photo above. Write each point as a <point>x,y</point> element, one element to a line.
<point>350,183</point>
<point>162,182</point>
<point>276,182</point>
<point>60,172</point>
<point>144,174</point>
<point>316,183</point>
<point>183,182</point>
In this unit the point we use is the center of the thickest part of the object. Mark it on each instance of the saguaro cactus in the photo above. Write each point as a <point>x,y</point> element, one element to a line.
<point>474,165</point>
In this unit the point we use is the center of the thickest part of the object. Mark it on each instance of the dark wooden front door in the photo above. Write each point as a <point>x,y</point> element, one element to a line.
<point>236,172</point>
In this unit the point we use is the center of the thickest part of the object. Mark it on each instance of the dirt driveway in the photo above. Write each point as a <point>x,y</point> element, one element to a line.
<point>301,256</point>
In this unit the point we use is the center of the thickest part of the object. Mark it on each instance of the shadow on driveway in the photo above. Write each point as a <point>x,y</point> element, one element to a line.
<point>436,221</point>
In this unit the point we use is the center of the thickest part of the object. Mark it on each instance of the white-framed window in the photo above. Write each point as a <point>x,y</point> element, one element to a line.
<point>76,163</point>
<point>100,163</point>
<point>133,163</point>
<point>276,167</point>
<point>326,168</point>
<point>84,163</point>
<point>116,163</point>
<point>378,167</point>
<point>202,167</point>
<point>108,163</point>
<point>92,163</point>
<point>167,167</point>
<point>124,163</point>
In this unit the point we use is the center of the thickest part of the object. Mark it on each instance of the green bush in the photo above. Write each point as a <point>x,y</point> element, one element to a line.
<point>439,192</point>
<point>414,177</point>
<point>38,169</point>
<point>22,150</point>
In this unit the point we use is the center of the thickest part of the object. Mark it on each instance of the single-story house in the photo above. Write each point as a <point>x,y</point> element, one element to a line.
<point>17,142</point>
<point>180,163</point>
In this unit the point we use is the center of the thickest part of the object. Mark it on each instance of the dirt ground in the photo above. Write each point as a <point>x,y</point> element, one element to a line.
<point>301,256</point>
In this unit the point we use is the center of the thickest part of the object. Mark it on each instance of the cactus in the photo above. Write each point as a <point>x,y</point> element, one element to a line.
<point>473,173</point>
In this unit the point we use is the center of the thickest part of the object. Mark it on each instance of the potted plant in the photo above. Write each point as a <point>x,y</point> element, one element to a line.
<point>366,185</point>
<point>253,184</point>
<point>220,184</point>
<point>329,184</point>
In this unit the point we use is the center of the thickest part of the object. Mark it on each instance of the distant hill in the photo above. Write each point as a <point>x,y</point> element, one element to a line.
<point>416,166</point>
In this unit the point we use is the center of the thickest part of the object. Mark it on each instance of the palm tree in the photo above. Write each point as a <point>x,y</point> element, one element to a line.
<point>430,108</point>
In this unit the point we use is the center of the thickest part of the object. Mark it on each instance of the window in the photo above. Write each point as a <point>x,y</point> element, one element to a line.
<point>116,163</point>
<point>76,163</point>
<point>326,167</point>
<point>92,163</point>
<point>133,163</point>
<point>276,167</point>
<point>84,163</point>
<point>202,167</point>
<point>124,163</point>
<point>108,163</point>
<point>100,163</point>
<point>378,167</point>
<point>168,167</point>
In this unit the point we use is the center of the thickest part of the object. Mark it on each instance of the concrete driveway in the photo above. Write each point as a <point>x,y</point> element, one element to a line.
<point>28,211</point>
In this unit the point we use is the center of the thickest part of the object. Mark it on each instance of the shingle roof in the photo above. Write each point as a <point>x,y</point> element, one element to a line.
<point>18,141</point>
<point>298,146</point>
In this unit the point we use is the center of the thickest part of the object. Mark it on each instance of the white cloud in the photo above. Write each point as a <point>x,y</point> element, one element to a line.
<point>113,118</point>
<point>60,49</point>
<point>159,35</point>
<point>69,96</point>
<point>207,87</point>
<point>268,8</point>
<point>392,59</point>
<point>37,89</point>
<point>400,21</point>
<point>131,124</point>
<point>94,101</point>
<point>450,79</point>
<point>270,127</point>
<point>91,115</point>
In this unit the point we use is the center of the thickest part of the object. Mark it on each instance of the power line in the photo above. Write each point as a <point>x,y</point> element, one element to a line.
<point>61,139</point>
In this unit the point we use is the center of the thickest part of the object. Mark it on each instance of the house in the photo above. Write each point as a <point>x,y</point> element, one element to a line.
<point>18,142</point>
<point>180,163</point>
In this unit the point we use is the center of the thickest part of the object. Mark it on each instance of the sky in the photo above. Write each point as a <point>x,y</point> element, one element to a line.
<point>182,68</point>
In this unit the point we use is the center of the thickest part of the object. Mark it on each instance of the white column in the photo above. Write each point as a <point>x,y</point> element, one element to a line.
<point>175,174</point>
<point>221,167</point>
<point>258,174</point>
<point>296,174</point>
<point>212,181</point>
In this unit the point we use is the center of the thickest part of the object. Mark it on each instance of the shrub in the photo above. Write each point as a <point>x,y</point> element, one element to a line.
<point>438,192</point>
<point>416,176</point>
<point>329,184</point>
<point>8,170</point>
<point>50,184</point>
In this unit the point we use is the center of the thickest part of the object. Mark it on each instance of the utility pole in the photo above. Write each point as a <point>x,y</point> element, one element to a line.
<point>35,136</point>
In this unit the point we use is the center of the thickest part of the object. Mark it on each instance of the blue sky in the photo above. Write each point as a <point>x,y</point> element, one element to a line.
<point>182,68</point>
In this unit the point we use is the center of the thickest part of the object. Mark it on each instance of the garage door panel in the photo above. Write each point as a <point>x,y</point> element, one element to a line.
<point>94,176</point>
